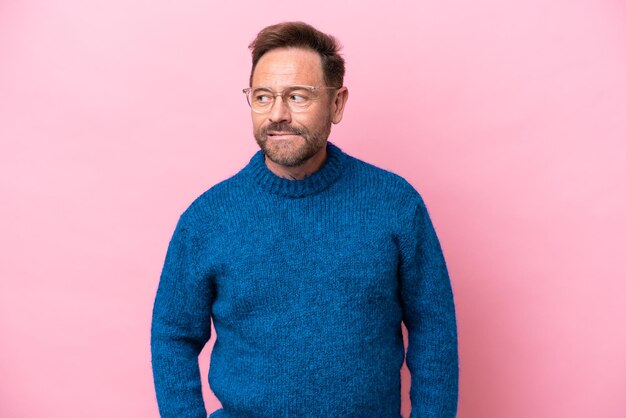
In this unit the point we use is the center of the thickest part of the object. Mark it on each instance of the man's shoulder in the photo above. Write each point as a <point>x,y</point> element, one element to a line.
<point>382,180</point>
<point>216,200</point>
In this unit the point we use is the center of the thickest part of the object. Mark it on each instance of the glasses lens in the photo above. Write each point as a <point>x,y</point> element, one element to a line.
<point>261,100</point>
<point>298,98</point>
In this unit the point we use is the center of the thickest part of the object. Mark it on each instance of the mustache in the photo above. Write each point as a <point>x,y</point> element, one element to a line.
<point>282,127</point>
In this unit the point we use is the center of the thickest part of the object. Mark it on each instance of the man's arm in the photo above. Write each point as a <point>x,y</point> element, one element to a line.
<point>181,326</point>
<point>429,316</point>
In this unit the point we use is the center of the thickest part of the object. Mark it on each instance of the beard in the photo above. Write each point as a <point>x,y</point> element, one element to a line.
<point>295,152</point>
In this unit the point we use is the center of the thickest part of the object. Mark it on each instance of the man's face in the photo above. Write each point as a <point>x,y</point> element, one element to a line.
<point>288,138</point>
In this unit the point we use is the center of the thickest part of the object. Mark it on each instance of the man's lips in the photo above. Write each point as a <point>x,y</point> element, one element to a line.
<point>281,133</point>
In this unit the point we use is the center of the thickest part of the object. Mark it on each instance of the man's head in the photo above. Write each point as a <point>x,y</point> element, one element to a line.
<point>301,35</point>
<point>296,92</point>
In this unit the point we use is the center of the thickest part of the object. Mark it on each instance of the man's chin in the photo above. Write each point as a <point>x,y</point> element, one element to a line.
<point>288,157</point>
<point>287,160</point>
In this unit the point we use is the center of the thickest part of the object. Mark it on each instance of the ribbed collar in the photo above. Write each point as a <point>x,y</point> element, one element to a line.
<point>327,174</point>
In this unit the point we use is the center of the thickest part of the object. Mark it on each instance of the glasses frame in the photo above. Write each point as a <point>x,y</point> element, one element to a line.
<point>248,92</point>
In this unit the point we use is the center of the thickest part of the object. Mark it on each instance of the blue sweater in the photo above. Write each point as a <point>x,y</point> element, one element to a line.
<point>307,283</point>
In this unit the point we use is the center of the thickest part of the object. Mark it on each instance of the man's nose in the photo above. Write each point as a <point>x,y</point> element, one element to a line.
<point>280,111</point>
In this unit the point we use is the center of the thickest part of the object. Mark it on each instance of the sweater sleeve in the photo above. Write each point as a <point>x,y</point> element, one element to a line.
<point>181,326</point>
<point>429,316</point>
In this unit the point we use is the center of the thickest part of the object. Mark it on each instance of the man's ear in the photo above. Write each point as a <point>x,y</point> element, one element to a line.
<point>338,104</point>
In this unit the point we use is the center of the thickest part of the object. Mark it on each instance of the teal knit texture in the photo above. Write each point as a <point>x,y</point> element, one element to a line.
<point>307,283</point>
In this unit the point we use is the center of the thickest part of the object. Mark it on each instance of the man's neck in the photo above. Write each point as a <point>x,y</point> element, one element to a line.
<point>305,169</point>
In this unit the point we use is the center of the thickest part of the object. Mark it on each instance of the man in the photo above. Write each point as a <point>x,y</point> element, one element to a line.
<point>307,261</point>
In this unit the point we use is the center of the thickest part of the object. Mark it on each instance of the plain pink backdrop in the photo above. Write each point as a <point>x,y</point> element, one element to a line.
<point>508,117</point>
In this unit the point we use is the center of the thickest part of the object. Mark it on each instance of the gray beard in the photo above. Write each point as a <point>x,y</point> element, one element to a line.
<point>312,144</point>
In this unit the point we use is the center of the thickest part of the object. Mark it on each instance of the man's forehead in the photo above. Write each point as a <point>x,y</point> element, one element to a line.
<point>288,65</point>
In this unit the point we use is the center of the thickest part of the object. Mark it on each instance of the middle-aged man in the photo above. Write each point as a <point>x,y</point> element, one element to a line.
<point>308,261</point>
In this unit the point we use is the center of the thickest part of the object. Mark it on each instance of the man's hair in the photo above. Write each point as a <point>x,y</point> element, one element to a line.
<point>301,35</point>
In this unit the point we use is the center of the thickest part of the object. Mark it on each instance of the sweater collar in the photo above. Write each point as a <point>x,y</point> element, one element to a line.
<point>328,173</point>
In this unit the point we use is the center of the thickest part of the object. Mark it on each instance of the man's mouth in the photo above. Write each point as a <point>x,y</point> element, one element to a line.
<point>281,134</point>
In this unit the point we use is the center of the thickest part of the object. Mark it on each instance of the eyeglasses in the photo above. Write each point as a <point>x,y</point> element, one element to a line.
<point>297,98</point>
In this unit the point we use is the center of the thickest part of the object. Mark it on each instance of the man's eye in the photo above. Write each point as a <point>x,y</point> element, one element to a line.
<point>262,98</point>
<point>298,98</point>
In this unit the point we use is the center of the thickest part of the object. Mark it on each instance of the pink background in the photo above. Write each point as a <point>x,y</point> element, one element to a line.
<point>508,116</point>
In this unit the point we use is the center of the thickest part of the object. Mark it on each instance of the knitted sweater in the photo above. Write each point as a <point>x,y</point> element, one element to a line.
<point>307,283</point>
